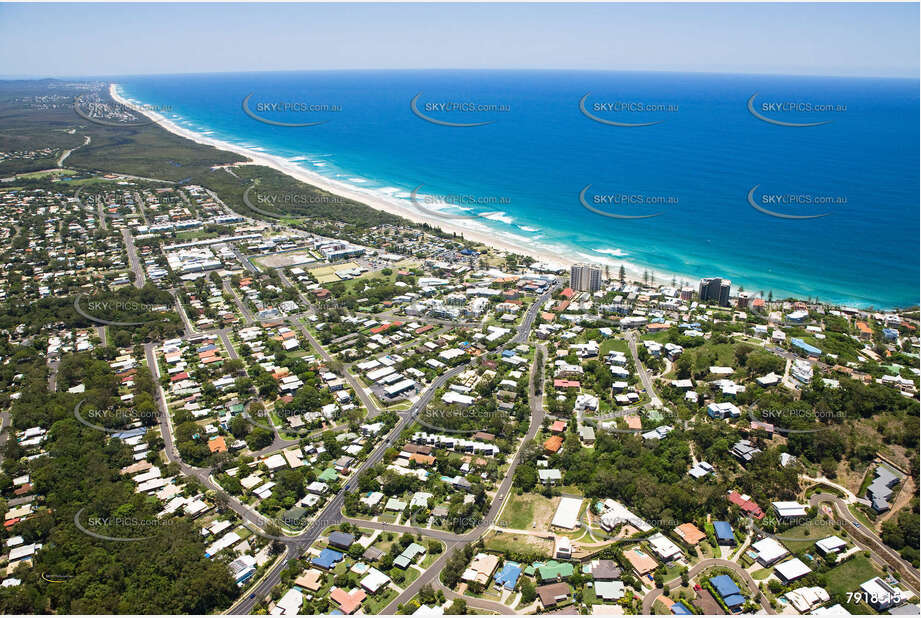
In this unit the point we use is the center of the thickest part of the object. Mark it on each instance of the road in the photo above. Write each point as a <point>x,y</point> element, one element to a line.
<point>66,153</point>
<point>139,204</point>
<point>136,266</point>
<point>356,385</point>
<point>868,540</point>
<point>222,333</point>
<point>630,336</point>
<point>247,264</point>
<point>4,431</point>
<point>53,375</point>
<point>537,418</point>
<point>248,317</point>
<point>202,475</point>
<point>189,327</point>
<point>331,514</point>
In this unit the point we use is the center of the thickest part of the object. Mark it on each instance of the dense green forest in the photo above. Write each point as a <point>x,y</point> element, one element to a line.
<point>167,572</point>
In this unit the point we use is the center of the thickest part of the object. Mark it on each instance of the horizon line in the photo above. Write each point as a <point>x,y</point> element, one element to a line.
<point>25,77</point>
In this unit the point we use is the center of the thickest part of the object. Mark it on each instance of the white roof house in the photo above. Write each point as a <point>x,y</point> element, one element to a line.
<point>276,462</point>
<point>452,397</point>
<point>769,551</point>
<point>789,509</point>
<point>831,544</point>
<point>791,570</point>
<point>664,547</point>
<point>804,599</point>
<point>374,580</point>
<point>567,513</point>
<point>289,604</point>
<point>880,595</point>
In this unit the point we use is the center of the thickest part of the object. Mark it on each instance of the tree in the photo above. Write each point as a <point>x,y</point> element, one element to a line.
<point>239,426</point>
<point>528,591</point>
<point>457,608</point>
<point>427,594</point>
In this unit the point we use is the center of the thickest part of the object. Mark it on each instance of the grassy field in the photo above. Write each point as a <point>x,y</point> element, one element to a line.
<point>379,601</point>
<point>847,577</point>
<point>411,576</point>
<point>523,510</point>
<point>614,344</point>
<point>47,173</point>
<point>762,573</point>
<point>505,542</point>
<point>327,274</point>
<point>804,536</point>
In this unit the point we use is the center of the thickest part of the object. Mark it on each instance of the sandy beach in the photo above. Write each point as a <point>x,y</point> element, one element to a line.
<point>470,229</point>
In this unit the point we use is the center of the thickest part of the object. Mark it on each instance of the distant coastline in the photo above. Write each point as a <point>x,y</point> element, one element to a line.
<point>487,230</point>
<point>478,232</point>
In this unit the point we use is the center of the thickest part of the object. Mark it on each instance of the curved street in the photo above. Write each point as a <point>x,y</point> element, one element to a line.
<point>651,596</point>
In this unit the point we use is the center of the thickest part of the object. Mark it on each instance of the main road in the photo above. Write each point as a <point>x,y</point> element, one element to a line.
<point>136,266</point>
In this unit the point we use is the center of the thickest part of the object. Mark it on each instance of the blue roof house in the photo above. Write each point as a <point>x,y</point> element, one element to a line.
<point>509,575</point>
<point>724,535</point>
<point>327,559</point>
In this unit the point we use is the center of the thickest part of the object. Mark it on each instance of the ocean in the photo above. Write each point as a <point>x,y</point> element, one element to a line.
<point>690,187</point>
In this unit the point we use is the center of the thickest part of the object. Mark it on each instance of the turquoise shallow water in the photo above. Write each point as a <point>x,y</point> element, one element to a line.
<point>694,167</point>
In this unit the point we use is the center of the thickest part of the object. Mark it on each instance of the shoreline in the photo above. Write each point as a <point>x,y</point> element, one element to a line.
<point>475,231</point>
<point>481,234</point>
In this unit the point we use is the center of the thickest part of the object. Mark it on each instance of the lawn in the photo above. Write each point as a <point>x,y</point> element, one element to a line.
<point>505,542</point>
<point>804,536</point>
<point>411,576</point>
<point>374,604</point>
<point>430,558</point>
<point>524,509</point>
<point>611,343</point>
<point>724,353</point>
<point>659,609</point>
<point>848,576</point>
<point>762,573</point>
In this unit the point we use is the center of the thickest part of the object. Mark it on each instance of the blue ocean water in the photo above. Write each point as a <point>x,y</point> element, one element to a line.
<point>699,162</point>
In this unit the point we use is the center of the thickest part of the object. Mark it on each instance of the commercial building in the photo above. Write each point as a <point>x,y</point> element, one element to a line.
<point>585,277</point>
<point>714,290</point>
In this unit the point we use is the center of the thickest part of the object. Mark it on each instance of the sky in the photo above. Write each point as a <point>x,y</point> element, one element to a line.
<point>80,40</point>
